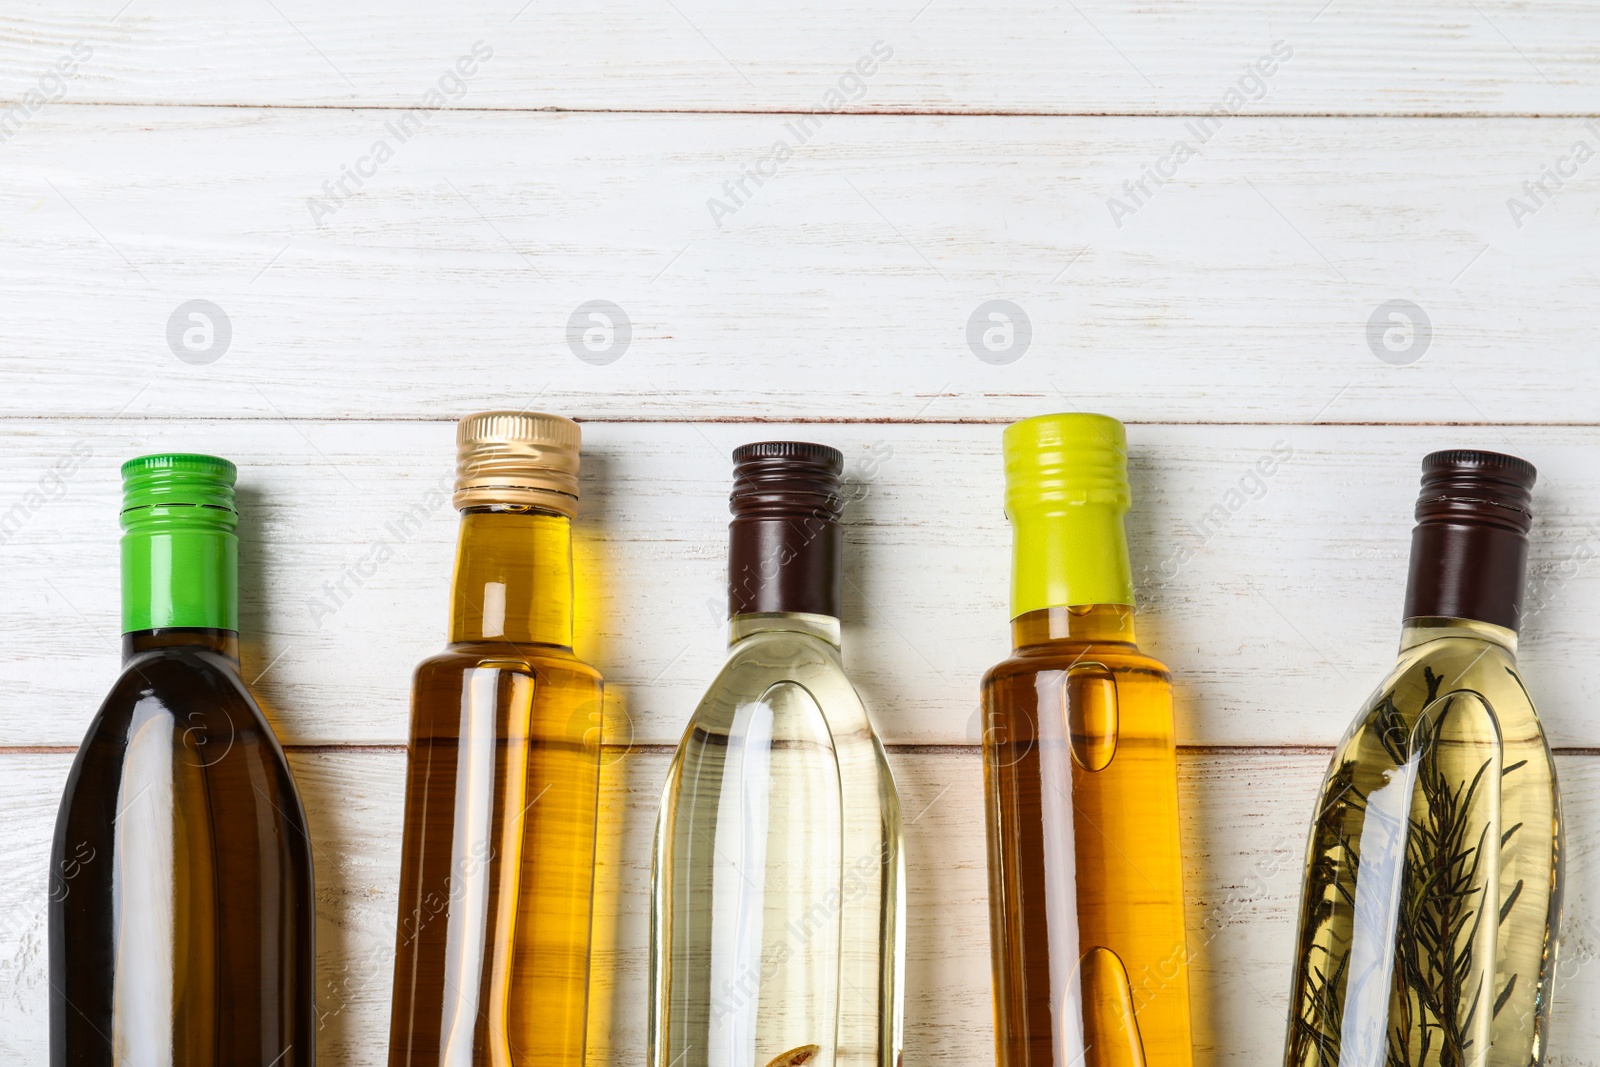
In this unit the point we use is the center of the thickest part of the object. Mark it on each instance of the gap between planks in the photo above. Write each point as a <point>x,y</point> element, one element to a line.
<point>902,749</point>
<point>556,109</point>
<point>775,420</point>
<point>908,749</point>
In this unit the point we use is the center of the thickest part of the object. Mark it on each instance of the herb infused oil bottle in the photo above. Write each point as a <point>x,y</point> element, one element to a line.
<point>1432,896</point>
<point>181,908</point>
<point>502,776</point>
<point>1080,776</point>
<point>777,929</point>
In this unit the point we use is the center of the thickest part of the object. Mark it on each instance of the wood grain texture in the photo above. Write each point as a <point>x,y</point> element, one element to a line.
<point>949,55</point>
<point>1240,291</point>
<point>1274,598</point>
<point>1233,311</point>
<point>1243,838</point>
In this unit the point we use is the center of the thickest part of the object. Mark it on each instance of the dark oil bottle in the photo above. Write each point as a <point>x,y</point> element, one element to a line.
<point>181,909</point>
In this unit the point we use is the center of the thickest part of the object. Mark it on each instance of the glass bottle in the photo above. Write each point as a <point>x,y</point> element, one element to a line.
<point>777,935</point>
<point>1080,776</point>
<point>502,776</point>
<point>1432,896</point>
<point>181,907</point>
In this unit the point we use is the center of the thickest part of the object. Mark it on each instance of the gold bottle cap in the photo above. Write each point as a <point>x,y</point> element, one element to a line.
<point>517,457</point>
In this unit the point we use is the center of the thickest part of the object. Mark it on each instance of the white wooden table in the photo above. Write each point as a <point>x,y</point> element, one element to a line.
<point>935,157</point>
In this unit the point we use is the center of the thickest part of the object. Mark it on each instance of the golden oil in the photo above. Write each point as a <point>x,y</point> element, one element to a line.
<point>1086,878</point>
<point>502,795</point>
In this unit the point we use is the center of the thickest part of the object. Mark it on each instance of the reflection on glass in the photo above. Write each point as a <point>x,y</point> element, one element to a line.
<point>777,864</point>
<point>1433,872</point>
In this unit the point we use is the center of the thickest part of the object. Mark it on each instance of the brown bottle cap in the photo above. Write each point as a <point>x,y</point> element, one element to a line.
<point>1487,488</point>
<point>784,543</point>
<point>1469,551</point>
<point>517,457</point>
<point>786,480</point>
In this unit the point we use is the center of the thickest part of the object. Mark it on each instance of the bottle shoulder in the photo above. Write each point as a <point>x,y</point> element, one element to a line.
<point>780,647</point>
<point>1451,668</point>
<point>1056,656</point>
<point>177,679</point>
<point>182,659</point>
<point>192,704</point>
<point>1463,658</point>
<point>1460,663</point>
<point>771,660</point>
<point>764,659</point>
<point>524,658</point>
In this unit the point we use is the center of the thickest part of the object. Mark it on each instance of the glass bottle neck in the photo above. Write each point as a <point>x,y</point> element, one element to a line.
<point>1467,570</point>
<point>1095,624</point>
<point>223,642</point>
<point>785,566</point>
<point>1065,554</point>
<point>824,627</point>
<point>180,571</point>
<point>513,578</point>
<point>1420,631</point>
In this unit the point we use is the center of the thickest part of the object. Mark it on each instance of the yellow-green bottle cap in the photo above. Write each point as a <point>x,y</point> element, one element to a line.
<point>1066,495</point>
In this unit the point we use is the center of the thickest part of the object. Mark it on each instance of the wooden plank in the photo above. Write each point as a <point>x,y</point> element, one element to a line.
<point>1244,817</point>
<point>948,55</point>
<point>1243,290</point>
<point>1277,623</point>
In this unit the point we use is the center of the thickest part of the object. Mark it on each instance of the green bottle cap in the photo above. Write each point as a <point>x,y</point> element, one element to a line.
<point>1066,494</point>
<point>180,556</point>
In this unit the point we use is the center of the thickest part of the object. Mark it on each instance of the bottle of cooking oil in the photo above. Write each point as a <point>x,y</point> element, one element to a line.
<point>503,775</point>
<point>1080,774</point>
<point>1432,895</point>
<point>778,891</point>
<point>181,906</point>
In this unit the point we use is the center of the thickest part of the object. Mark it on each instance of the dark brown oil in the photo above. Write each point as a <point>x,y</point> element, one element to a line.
<point>181,907</point>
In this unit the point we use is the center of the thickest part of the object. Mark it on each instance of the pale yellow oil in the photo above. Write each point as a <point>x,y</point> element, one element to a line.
<point>779,882</point>
<point>1432,898</point>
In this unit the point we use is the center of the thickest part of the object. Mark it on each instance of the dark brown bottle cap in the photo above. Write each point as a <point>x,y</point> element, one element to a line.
<point>1469,551</point>
<point>785,545</point>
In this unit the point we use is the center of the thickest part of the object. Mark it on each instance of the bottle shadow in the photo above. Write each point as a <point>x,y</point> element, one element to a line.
<point>627,777</point>
<point>1202,817</point>
<point>344,835</point>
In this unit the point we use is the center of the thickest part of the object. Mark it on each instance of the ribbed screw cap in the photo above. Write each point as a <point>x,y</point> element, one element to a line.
<point>1065,459</point>
<point>1464,485</point>
<point>520,458</point>
<point>787,480</point>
